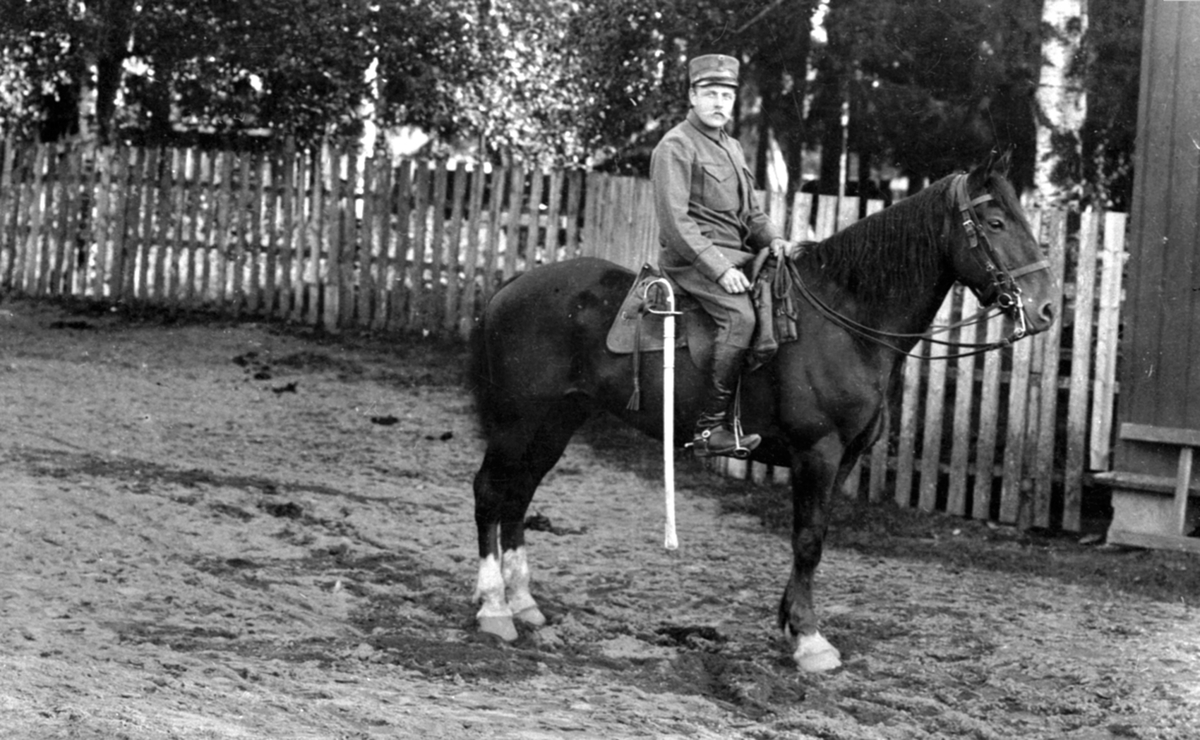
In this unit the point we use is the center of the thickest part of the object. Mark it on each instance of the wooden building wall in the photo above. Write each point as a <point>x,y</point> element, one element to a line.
<point>1161,364</point>
<point>1160,341</point>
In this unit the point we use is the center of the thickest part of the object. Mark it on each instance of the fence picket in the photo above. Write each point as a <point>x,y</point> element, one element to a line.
<point>433,264</point>
<point>205,250</point>
<point>905,452</point>
<point>123,177</point>
<point>554,202</point>
<point>931,438</point>
<point>381,227</point>
<point>42,203</point>
<point>989,424</point>
<point>475,224</point>
<point>516,201</point>
<point>416,268</point>
<point>73,241</point>
<point>827,215</point>
<point>1019,392</point>
<point>283,219</point>
<point>575,210</point>
<point>268,239</point>
<point>964,397</point>
<point>533,230</point>
<point>492,264</point>
<point>316,234</point>
<point>798,228</point>
<point>348,246</point>
<point>157,283</point>
<point>94,279</point>
<point>1108,323</point>
<point>255,241</point>
<point>60,206</point>
<point>450,308</point>
<point>364,265</point>
<point>147,220</point>
<point>8,249</point>
<point>336,205</point>
<point>1043,435</point>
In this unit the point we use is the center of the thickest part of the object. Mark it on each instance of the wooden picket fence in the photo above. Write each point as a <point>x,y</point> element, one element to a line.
<point>331,239</point>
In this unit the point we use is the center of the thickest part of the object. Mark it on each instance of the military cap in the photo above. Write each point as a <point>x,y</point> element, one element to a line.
<point>713,69</point>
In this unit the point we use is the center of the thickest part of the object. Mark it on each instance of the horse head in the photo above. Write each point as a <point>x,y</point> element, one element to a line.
<point>997,254</point>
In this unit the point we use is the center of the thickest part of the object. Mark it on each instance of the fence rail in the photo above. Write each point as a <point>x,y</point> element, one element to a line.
<point>330,239</point>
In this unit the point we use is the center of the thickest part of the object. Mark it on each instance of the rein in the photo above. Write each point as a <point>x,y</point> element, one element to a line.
<point>1002,291</point>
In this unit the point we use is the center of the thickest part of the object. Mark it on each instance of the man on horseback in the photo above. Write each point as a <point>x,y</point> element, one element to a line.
<point>710,226</point>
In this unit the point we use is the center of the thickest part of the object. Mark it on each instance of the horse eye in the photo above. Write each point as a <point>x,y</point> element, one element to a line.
<point>996,224</point>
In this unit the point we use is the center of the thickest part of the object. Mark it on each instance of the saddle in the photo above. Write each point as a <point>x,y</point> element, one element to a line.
<point>638,329</point>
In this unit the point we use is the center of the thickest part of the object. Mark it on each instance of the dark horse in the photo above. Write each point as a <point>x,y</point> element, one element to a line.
<point>541,368</point>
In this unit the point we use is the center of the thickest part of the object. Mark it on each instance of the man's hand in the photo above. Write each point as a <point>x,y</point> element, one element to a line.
<point>734,280</point>
<point>782,248</point>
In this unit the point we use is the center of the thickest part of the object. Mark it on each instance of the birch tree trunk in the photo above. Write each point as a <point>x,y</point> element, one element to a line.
<point>1061,102</point>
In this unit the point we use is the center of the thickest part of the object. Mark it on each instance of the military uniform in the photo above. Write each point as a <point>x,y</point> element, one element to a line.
<point>710,222</point>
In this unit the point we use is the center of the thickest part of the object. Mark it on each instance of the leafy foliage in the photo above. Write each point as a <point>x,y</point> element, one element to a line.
<point>931,84</point>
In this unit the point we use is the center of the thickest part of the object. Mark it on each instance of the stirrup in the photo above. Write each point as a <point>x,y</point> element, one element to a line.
<point>743,445</point>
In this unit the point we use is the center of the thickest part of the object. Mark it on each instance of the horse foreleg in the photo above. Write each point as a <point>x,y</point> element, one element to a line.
<point>813,478</point>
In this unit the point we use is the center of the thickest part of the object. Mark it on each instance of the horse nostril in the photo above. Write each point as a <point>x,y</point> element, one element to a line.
<point>1046,312</point>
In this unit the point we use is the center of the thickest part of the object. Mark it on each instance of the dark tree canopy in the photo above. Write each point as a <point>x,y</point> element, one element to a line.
<point>929,85</point>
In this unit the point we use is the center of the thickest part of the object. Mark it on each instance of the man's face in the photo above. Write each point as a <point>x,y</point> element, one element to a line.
<point>713,104</point>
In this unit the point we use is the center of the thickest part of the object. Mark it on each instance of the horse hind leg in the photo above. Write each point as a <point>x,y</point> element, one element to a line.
<point>514,566</point>
<point>513,467</point>
<point>494,615</point>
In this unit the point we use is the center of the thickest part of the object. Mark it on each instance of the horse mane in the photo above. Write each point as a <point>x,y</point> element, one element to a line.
<point>890,256</point>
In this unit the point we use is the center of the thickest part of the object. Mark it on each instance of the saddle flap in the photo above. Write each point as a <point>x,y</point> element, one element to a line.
<point>634,328</point>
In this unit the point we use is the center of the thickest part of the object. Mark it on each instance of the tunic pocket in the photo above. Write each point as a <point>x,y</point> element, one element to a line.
<point>720,186</point>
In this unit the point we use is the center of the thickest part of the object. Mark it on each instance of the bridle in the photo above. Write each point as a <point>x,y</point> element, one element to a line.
<point>1001,291</point>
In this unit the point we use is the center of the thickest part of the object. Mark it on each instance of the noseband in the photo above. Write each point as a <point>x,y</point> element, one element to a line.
<point>1002,289</point>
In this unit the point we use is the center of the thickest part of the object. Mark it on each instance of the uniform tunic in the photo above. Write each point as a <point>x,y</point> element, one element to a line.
<point>709,220</point>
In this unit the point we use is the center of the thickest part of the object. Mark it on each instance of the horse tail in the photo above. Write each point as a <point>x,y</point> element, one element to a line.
<point>479,372</point>
<point>479,376</point>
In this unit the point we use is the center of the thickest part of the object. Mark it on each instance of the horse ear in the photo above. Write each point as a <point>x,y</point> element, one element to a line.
<point>999,162</point>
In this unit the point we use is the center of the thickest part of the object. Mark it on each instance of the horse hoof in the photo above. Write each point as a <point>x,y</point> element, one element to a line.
<point>820,662</point>
<point>531,616</point>
<point>501,627</point>
<point>814,654</point>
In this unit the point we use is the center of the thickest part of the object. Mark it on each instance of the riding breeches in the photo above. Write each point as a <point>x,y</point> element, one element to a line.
<point>733,312</point>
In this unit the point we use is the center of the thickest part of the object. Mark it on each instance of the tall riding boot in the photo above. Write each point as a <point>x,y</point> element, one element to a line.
<point>714,433</point>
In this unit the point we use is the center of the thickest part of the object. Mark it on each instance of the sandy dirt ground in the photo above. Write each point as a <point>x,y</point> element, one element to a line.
<point>212,529</point>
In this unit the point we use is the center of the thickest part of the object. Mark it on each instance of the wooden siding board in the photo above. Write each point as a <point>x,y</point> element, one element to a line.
<point>1158,198</point>
<point>1160,345</point>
